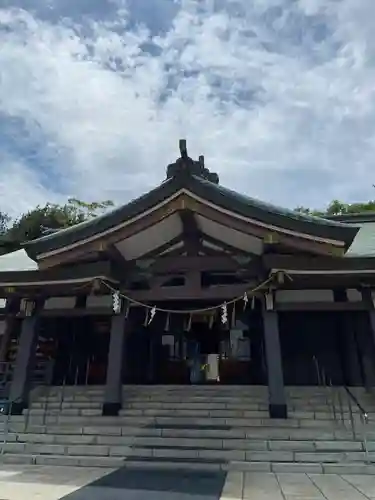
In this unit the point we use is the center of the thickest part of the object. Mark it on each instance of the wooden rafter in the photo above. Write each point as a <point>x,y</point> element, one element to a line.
<point>152,254</point>
<point>191,233</point>
<point>122,267</point>
<point>226,247</point>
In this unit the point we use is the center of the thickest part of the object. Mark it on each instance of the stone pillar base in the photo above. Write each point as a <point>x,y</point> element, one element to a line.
<point>111,409</point>
<point>278,410</point>
<point>17,407</point>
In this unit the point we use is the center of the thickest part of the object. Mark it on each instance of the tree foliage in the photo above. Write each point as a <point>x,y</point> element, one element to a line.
<point>337,207</point>
<point>4,222</point>
<point>51,217</point>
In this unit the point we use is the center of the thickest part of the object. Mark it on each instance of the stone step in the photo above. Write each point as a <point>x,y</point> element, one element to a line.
<point>178,451</point>
<point>218,442</point>
<point>225,427</point>
<point>194,431</point>
<point>176,431</point>
<point>295,391</point>
<point>202,397</point>
<point>65,405</point>
<point>61,460</point>
<point>174,419</point>
<point>182,412</point>
<point>155,463</point>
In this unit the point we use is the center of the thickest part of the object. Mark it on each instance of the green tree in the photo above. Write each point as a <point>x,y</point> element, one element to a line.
<point>337,207</point>
<point>52,217</point>
<point>4,221</point>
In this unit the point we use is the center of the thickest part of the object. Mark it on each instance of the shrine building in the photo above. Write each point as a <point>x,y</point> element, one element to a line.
<point>191,283</point>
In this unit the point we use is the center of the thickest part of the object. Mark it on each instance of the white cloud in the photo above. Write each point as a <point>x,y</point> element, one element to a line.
<point>278,96</point>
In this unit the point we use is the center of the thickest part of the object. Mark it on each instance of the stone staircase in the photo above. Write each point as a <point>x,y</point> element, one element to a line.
<point>199,427</point>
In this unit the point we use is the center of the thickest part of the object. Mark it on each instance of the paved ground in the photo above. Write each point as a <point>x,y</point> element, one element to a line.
<point>64,483</point>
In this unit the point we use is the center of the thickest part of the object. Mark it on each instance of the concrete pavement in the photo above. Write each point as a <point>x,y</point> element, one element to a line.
<point>67,483</point>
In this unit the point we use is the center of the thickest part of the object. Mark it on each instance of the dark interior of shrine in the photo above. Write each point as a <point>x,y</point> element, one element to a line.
<point>312,342</point>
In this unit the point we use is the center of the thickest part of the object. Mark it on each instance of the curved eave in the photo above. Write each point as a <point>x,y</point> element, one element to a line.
<point>102,223</point>
<point>85,273</point>
<point>358,218</point>
<point>341,234</point>
<point>275,216</point>
<point>319,266</point>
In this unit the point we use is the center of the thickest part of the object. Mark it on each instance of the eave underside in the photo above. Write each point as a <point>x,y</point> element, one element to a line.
<point>78,279</point>
<point>297,273</point>
<point>198,228</point>
<point>205,200</point>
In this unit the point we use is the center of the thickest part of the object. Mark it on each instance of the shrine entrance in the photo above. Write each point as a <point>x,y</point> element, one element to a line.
<point>79,348</point>
<point>196,350</point>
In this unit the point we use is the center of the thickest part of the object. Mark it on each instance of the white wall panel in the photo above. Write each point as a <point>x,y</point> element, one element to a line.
<point>99,301</point>
<point>354,295</point>
<point>283,296</point>
<point>60,303</point>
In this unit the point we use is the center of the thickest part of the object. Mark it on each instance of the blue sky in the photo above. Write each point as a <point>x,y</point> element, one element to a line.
<point>279,95</point>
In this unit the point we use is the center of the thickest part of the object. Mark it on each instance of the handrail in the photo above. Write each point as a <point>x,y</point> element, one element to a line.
<point>48,381</point>
<point>7,422</point>
<point>326,384</point>
<point>358,404</point>
<point>62,393</point>
<point>364,416</point>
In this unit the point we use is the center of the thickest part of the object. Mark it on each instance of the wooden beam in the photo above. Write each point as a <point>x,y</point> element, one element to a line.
<point>153,254</point>
<point>122,268</point>
<point>225,246</point>
<point>308,263</point>
<point>89,311</point>
<point>116,256</point>
<point>321,306</point>
<point>191,234</point>
<point>199,263</point>
<point>219,293</point>
<point>328,282</point>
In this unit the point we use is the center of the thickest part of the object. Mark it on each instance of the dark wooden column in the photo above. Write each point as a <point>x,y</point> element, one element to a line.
<point>113,389</point>
<point>11,308</point>
<point>25,360</point>
<point>276,390</point>
<point>366,340</point>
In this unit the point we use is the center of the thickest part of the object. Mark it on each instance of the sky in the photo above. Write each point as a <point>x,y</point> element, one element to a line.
<point>278,95</point>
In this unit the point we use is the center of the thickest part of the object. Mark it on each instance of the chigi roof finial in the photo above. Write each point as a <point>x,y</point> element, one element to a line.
<point>183,148</point>
<point>185,166</point>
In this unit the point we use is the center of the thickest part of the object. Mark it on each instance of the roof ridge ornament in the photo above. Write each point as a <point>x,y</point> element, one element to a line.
<point>186,166</point>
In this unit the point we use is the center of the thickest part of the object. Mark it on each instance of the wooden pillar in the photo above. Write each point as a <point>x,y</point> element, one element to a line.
<point>276,390</point>
<point>113,389</point>
<point>366,341</point>
<point>25,360</point>
<point>12,306</point>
